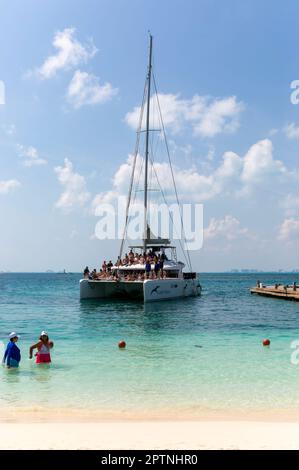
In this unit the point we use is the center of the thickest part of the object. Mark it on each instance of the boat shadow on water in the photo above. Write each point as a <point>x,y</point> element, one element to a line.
<point>96,304</point>
<point>139,316</point>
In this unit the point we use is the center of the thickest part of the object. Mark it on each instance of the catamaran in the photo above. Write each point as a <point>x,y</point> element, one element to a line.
<point>137,276</point>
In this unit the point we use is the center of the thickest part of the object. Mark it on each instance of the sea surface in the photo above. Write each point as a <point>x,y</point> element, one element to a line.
<point>198,354</point>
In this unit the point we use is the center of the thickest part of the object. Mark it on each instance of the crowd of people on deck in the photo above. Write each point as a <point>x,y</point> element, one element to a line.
<point>278,285</point>
<point>144,260</point>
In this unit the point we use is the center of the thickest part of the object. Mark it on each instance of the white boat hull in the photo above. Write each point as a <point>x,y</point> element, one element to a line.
<point>106,289</point>
<point>149,290</point>
<point>170,289</point>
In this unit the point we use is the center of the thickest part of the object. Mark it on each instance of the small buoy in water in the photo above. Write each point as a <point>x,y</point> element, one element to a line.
<point>122,344</point>
<point>266,342</point>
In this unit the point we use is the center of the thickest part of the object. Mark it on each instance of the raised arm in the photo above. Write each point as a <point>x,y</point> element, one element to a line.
<point>34,346</point>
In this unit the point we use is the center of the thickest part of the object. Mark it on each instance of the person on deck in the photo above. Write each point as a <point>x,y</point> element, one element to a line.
<point>109,266</point>
<point>161,265</point>
<point>94,274</point>
<point>147,268</point>
<point>156,266</point>
<point>131,257</point>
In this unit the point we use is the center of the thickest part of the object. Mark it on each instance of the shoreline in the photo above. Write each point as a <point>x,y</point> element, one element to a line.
<point>36,415</point>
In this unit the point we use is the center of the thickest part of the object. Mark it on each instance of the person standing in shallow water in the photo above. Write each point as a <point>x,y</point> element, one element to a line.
<point>43,346</point>
<point>12,355</point>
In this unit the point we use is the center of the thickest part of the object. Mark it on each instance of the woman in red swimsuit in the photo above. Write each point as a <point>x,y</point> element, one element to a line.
<point>43,349</point>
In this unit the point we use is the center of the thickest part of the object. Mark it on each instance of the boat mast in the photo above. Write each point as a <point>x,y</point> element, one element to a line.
<point>149,74</point>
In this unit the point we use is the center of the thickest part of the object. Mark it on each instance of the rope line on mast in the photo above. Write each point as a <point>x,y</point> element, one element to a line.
<point>133,170</point>
<point>170,215</point>
<point>137,182</point>
<point>149,77</point>
<point>171,169</point>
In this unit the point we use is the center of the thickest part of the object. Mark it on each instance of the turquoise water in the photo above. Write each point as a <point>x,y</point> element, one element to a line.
<point>198,354</point>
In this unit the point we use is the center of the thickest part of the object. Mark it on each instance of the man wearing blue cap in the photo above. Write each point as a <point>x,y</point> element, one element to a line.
<point>12,355</point>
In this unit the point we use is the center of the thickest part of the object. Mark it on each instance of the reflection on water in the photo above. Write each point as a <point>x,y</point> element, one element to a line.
<point>182,315</point>
<point>41,373</point>
<point>11,375</point>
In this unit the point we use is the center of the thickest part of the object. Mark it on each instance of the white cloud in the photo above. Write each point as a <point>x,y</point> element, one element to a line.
<point>222,115</point>
<point>233,176</point>
<point>259,164</point>
<point>70,53</point>
<point>107,197</point>
<point>188,181</point>
<point>8,185</point>
<point>85,89</point>
<point>291,131</point>
<point>74,187</point>
<point>228,228</point>
<point>31,156</point>
<point>185,150</point>
<point>211,154</point>
<point>208,117</point>
<point>289,230</point>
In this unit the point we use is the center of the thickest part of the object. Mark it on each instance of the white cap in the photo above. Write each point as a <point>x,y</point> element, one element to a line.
<point>44,333</point>
<point>13,334</point>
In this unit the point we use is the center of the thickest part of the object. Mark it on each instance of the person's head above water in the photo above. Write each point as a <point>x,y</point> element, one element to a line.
<point>13,336</point>
<point>44,336</point>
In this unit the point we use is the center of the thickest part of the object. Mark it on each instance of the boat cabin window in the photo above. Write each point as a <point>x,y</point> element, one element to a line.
<point>173,273</point>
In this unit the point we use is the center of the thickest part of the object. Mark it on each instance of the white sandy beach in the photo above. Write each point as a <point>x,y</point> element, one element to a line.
<point>150,435</point>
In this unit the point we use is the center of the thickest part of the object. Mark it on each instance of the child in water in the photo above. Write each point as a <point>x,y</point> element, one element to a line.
<point>43,349</point>
<point>12,355</point>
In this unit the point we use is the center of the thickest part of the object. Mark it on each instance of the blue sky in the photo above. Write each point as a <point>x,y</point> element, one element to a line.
<point>229,62</point>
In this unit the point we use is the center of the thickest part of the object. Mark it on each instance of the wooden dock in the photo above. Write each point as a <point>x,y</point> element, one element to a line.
<point>278,291</point>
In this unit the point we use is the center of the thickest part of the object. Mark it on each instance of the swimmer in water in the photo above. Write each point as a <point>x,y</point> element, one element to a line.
<point>43,349</point>
<point>12,355</point>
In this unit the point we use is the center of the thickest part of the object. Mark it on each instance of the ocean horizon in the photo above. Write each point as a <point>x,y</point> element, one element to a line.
<point>240,271</point>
